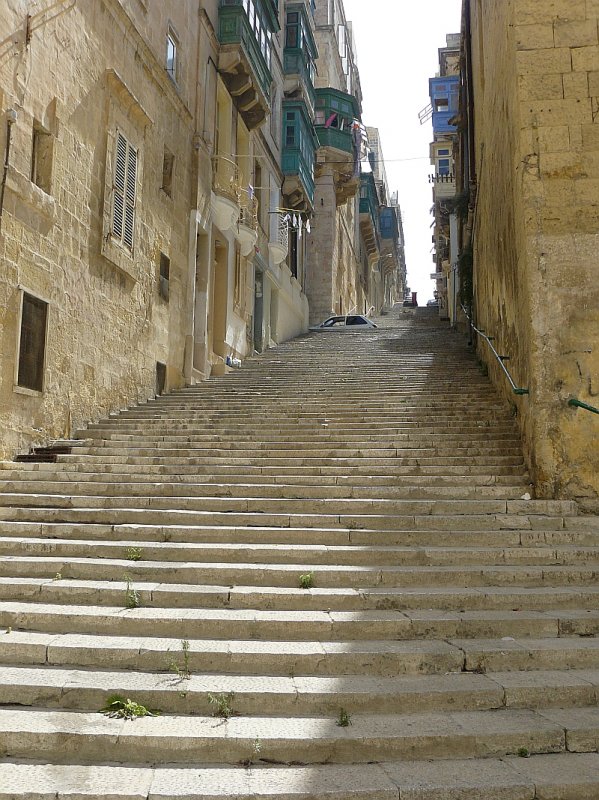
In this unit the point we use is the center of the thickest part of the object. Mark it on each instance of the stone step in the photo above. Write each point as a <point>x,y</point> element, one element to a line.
<point>182,693</point>
<point>377,658</point>
<point>281,474</point>
<point>559,776</point>
<point>286,483</point>
<point>288,574</point>
<point>461,734</point>
<point>64,590</point>
<point>459,536</point>
<point>123,488</point>
<point>166,517</point>
<point>315,555</point>
<point>300,626</point>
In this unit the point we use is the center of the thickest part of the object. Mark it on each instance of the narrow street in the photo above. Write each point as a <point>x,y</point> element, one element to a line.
<point>326,573</point>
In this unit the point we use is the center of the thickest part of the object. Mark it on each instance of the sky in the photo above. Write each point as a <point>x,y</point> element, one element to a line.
<point>397,43</point>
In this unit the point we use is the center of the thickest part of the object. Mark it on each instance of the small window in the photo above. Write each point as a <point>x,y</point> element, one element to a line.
<point>290,135</point>
<point>443,152</point>
<point>164,277</point>
<point>124,192</point>
<point>168,164</point>
<point>160,377</point>
<point>171,55</point>
<point>32,343</point>
<point>41,158</point>
<point>441,104</point>
<point>443,166</point>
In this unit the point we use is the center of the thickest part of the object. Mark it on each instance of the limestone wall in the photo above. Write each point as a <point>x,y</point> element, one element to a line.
<point>81,73</point>
<point>536,71</point>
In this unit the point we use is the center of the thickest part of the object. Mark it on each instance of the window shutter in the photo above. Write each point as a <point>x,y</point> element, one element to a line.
<point>130,198</point>
<point>124,190</point>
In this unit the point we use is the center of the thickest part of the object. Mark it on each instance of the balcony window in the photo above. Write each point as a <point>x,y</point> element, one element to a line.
<point>292,30</point>
<point>443,166</point>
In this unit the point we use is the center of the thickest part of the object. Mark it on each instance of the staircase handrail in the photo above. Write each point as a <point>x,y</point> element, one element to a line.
<point>579,404</point>
<point>500,359</point>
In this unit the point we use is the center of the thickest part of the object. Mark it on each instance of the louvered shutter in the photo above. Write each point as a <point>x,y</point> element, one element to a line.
<point>124,190</point>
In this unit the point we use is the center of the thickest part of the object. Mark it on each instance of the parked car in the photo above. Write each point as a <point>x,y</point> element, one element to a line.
<point>348,322</point>
<point>433,304</point>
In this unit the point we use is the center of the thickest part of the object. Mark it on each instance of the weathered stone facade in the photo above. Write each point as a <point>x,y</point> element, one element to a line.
<point>534,123</point>
<point>161,296</point>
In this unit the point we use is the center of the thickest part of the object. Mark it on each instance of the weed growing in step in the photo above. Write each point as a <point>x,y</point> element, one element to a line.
<point>134,554</point>
<point>344,719</point>
<point>132,598</point>
<point>254,756</point>
<point>524,752</point>
<point>119,707</point>
<point>182,670</point>
<point>306,581</point>
<point>222,704</point>
<point>57,577</point>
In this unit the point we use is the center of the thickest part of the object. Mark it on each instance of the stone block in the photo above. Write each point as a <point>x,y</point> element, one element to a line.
<point>556,112</point>
<point>576,85</point>
<point>541,87</point>
<point>533,37</point>
<point>593,78</point>
<point>531,12</point>
<point>554,139</point>
<point>576,33</point>
<point>547,60</point>
<point>561,165</point>
<point>585,59</point>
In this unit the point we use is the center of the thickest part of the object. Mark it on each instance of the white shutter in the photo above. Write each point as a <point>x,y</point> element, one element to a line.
<point>124,191</point>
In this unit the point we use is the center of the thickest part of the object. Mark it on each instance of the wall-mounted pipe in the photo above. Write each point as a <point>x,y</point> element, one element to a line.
<point>11,118</point>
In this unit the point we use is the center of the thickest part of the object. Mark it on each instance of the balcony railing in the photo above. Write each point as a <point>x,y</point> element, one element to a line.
<point>247,226</point>
<point>226,178</point>
<point>278,246</point>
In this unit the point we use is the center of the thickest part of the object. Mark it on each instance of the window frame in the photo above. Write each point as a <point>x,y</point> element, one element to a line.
<point>128,199</point>
<point>172,40</point>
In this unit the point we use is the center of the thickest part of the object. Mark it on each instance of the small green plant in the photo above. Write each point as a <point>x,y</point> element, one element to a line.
<point>124,708</point>
<point>255,754</point>
<point>57,577</point>
<point>222,704</point>
<point>306,581</point>
<point>132,599</point>
<point>9,629</point>
<point>524,752</point>
<point>134,554</point>
<point>344,719</point>
<point>183,671</point>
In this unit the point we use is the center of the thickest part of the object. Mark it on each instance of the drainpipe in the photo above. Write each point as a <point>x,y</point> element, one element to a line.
<point>11,118</point>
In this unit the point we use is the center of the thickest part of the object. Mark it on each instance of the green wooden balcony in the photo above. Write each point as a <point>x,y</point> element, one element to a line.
<point>243,63</point>
<point>339,110</point>
<point>299,147</point>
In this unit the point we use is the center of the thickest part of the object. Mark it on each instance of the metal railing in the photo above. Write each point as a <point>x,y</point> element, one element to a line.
<point>579,404</point>
<point>249,210</point>
<point>225,177</point>
<point>500,359</point>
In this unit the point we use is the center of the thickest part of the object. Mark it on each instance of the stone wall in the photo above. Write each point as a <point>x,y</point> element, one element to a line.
<point>81,73</point>
<point>536,74</point>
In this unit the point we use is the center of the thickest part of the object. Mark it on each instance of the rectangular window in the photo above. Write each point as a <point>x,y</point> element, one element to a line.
<point>124,192</point>
<point>290,135</point>
<point>32,343</point>
<point>443,152</point>
<point>164,277</point>
<point>41,158</point>
<point>168,163</point>
<point>443,166</point>
<point>171,55</point>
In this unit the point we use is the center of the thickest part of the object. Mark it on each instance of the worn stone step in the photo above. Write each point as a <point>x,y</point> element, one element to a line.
<point>124,488</point>
<point>380,658</point>
<point>183,693</point>
<point>330,555</point>
<point>465,734</point>
<point>324,575</point>
<point>354,522</point>
<point>559,776</point>
<point>314,625</point>
<point>336,506</point>
<point>71,591</point>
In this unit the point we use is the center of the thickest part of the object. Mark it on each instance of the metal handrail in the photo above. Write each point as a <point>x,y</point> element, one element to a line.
<point>579,404</point>
<point>516,389</point>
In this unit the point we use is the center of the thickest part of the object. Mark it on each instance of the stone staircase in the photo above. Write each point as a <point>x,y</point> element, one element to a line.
<point>332,549</point>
